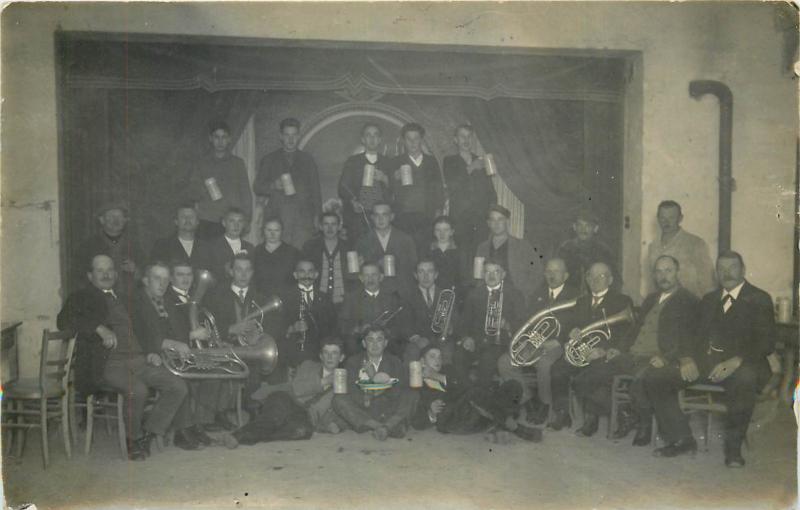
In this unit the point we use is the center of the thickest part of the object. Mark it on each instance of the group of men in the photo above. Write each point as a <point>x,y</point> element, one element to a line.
<point>392,288</point>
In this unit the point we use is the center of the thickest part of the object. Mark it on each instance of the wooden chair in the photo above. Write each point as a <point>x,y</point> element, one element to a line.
<point>699,398</point>
<point>50,390</point>
<point>106,405</point>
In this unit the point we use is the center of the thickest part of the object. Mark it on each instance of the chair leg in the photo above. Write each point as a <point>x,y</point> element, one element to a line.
<point>43,423</point>
<point>123,441</point>
<point>654,431</point>
<point>87,448</point>
<point>239,418</point>
<point>22,432</point>
<point>107,401</point>
<point>612,418</point>
<point>73,415</point>
<point>65,425</point>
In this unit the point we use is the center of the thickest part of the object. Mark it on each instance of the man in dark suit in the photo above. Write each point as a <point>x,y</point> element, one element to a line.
<point>735,334</point>
<point>667,318</point>
<point>385,239</point>
<point>222,249</point>
<point>358,199</point>
<point>110,354</point>
<point>230,304</point>
<point>601,303</point>
<point>422,304</point>
<point>366,305</point>
<point>183,244</point>
<point>308,316</point>
<point>384,412</point>
<point>477,345</point>
<point>328,252</point>
<point>554,291</point>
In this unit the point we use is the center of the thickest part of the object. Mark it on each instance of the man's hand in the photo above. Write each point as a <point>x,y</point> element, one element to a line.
<point>468,343</point>
<point>180,347</point>
<point>357,206</point>
<point>612,353</point>
<point>380,176</point>
<point>689,371</point>
<point>657,362</point>
<point>437,406</point>
<point>108,337</point>
<point>596,353</point>
<point>200,333</point>
<point>550,345</point>
<point>154,359</point>
<point>723,370</point>
<point>277,184</point>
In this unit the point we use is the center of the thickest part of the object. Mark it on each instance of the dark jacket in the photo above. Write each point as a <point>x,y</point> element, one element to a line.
<point>150,329</point>
<point>402,246</point>
<point>314,250</point>
<point>222,302</point>
<point>219,254</point>
<point>359,309</point>
<point>169,249</point>
<point>676,323</point>
<point>321,321</point>
<point>613,302</point>
<point>746,330</point>
<point>350,186</point>
<point>425,195</point>
<point>474,313</point>
<point>419,315</point>
<point>541,300</point>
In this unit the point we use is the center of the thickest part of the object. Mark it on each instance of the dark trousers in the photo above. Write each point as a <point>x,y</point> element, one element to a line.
<point>390,408</point>
<point>279,419</point>
<point>211,396</point>
<point>484,358</point>
<point>593,383</point>
<point>480,407</point>
<point>134,378</point>
<point>560,373</point>
<point>741,388</point>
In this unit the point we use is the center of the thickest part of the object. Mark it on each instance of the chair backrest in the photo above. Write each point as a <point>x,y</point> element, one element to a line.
<point>56,358</point>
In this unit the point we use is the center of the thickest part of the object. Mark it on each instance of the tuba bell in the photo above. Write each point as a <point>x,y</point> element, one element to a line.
<point>576,351</point>
<point>543,326</point>
<point>440,323</point>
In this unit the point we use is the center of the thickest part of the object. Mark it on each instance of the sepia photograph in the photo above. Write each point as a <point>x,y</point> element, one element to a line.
<point>399,255</point>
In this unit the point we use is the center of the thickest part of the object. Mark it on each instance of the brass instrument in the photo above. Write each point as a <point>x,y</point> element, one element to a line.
<point>273,303</point>
<point>302,336</point>
<point>525,345</point>
<point>440,323</point>
<point>494,316</point>
<point>214,359</point>
<point>384,318</point>
<point>576,351</point>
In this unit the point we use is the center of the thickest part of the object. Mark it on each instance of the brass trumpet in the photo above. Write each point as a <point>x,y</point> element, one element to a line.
<point>524,348</point>
<point>576,351</point>
<point>440,323</point>
<point>494,316</point>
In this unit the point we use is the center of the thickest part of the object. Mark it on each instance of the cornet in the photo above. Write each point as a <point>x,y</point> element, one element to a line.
<point>494,316</point>
<point>576,351</point>
<point>440,323</point>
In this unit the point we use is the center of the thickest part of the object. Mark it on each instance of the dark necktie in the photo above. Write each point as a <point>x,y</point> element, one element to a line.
<point>241,296</point>
<point>159,304</point>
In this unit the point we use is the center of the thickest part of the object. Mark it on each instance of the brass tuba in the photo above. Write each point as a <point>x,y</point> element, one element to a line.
<point>576,351</point>
<point>440,323</point>
<point>494,316</point>
<point>543,326</point>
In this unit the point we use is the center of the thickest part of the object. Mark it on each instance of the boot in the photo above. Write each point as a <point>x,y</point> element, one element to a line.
<point>560,420</point>
<point>591,423</point>
<point>644,432</point>
<point>627,422</point>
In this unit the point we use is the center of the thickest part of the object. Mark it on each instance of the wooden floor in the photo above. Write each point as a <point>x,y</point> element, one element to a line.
<point>426,470</point>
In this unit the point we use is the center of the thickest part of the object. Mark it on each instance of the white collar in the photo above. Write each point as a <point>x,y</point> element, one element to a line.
<point>373,294</point>
<point>601,295</point>
<point>418,160</point>
<point>376,365</point>
<point>372,158</point>
<point>236,289</point>
<point>305,289</point>
<point>231,241</point>
<point>384,236</point>
<point>666,295</point>
<point>556,291</point>
<point>179,291</point>
<point>425,291</point>
<point>734,292</point>
<point>496,287</point>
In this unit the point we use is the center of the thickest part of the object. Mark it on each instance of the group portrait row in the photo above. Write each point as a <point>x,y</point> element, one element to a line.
<point>410,306</point>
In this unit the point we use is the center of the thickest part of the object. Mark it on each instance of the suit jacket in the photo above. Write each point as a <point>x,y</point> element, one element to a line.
<point>425,195</point>
<point>525,269</point>
<point>150,329</point>
<point>541,300</point>
<point>402,246</point>
<point>350,186</point>
<point>676,323</point>
<point>219,253</point>
<point>222,303</point>
<point>473,317</point>
<point>359,309</point>
<point>746,330</point>
<point>314,250</point>
<point>419,418</point>
<point>322,323</point>
<point>470,194</point>
<point>419,316</point>
<point>307,382</point>
<point>613,302</point>
<point>273,271</point>
<point>169,249</point>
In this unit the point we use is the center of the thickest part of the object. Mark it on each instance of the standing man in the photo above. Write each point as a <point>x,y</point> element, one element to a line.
<point>419,201</point>
<point>469,190</point>
<point>222,249</point>
<point>735,334</point>
<point>585,249</point>
<point>385,412</point>
<point>109,353</point>
<point>358,199</point>
<point>184,244</point>
<point>299,203</point>
<point>114,240</point>
<point>328,251</point>
<point>219,182</point>
<point>522,260</point>
<point>691,252</point>
<point>385,239</point>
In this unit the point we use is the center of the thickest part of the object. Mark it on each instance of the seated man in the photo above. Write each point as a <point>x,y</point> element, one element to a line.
<point>667,319</point>
<point>438,385</point>
<point>312,386</point>
<point>735,334</point>
<point>384,412</point>
<point>308,315</point>
<point>372,303</point>
<point>492,313</point>
<point>110,354</point>
<point>590,382</point>
<point>222,249</point>
<point>422,305</point>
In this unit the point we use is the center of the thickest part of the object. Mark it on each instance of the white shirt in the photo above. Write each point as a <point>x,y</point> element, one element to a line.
<point>418,160</point>
<point>597,299</point>
<point>372,158</point>
<point>235,244</point>
<point>491,289</point>
<point>187,246</point>
<point>237,290</point>
<point>373,294</point>
<point>664,296</point>
<point>734,292</point>
<point>384,239</point>
<point>309,290</point>
<point>182,294</point>
<point>556,291</point>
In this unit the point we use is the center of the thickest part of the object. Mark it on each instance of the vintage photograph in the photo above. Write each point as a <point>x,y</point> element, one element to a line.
<point>399,255</point>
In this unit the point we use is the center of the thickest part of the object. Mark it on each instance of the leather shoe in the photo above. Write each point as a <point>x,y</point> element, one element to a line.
<point>186,441</point>
<point>539,415</point>
<point>685,445</point>
<point>591,423</point>
<point>733,456</point>
<point>135,451</point>
<point>145,441</point>
<point>627,422</point>
<point>200,435</point>
<point>222,421</point>
<point>560,420</point>
<point>644,433</point>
